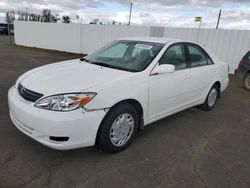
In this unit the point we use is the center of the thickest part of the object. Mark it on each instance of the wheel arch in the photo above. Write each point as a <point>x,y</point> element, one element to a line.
<point>135,103</point>
<point>218,84</point>
<point>246,73</point>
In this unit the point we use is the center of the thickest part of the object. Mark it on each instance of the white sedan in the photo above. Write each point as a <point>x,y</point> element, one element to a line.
<point>107,96</point>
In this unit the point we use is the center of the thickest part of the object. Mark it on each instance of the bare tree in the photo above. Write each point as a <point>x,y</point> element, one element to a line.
<point>48,17</point>
<point>25,16</point>
<point>95,21</point>
<point>34,17</point>
<point>10,17</point>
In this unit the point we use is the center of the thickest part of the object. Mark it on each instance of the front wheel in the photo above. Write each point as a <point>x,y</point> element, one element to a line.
<point>118,128</point>
<point>211,99</point>
<point>246,82</point>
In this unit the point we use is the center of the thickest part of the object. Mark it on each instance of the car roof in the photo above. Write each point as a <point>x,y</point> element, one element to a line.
<point>154,39</point>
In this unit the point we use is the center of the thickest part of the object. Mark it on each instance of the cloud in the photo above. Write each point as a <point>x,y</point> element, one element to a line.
<point>172,13</point>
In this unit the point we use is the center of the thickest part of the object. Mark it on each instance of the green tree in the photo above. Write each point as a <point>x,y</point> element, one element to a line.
<point>66,19</point>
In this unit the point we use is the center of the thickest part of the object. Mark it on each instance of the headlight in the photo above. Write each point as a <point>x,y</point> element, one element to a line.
<point>65,102</point>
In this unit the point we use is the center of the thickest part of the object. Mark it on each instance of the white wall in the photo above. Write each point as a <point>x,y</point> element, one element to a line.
<point>62,37</point>
<point>95,36</point>
<point>228,45</point>
<point>66,37</point>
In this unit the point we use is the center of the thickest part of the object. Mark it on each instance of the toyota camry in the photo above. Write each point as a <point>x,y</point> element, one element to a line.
<point>105,97</point>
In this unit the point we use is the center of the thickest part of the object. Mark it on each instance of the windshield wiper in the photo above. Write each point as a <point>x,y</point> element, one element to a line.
<point>84,59</point>
<point>113,66</point>
<point>103,64</point>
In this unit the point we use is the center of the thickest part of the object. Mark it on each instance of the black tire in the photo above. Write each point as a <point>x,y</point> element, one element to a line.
<point>206,106</point>
<point>246,82</point>
<point>103,137</point>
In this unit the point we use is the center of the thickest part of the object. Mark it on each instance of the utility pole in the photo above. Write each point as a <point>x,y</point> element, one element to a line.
<point>80,17</point>
<point>9,31</point>
<point>218,21</point>
<point>198,19</point>
<point>131,6</point>
<point>199,31</point>
<point>81,37</point>
<point>27,12</point>
<point>9,21</point>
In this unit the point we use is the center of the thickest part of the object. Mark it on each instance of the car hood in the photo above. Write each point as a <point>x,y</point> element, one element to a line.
<point>69,76</point>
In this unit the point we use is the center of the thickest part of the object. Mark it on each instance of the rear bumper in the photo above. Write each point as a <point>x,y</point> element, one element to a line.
<point>79,126</point>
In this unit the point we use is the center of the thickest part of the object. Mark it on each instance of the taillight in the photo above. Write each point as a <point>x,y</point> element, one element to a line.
<point>241,62</point>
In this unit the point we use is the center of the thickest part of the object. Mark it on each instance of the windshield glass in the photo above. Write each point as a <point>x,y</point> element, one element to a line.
<point>126,55</point>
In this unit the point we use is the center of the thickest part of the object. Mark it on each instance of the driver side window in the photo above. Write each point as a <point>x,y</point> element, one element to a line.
<point>175,55</point>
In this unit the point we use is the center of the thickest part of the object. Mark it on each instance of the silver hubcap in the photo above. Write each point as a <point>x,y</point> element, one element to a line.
<point>122,129</point>
<point>212,96</point>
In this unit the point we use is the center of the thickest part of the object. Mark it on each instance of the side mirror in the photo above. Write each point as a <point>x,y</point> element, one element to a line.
<point>163,69</point>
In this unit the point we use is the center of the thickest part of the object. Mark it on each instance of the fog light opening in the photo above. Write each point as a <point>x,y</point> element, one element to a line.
<point>59,139</point>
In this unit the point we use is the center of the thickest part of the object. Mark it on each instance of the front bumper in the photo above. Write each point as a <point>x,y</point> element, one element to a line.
<point>79,126</point>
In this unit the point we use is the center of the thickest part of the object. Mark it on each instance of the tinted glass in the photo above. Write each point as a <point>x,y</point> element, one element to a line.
<point>246,58</point>
<point>116,51</point>
<point>197,56</point>
<point>175,55</point>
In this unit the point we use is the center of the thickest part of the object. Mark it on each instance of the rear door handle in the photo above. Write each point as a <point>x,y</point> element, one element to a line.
<point>188,76</point>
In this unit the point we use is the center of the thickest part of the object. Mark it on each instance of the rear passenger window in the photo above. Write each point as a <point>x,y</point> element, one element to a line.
<point>198,57</point>
<point>247,56</point>
<point>175,55</point>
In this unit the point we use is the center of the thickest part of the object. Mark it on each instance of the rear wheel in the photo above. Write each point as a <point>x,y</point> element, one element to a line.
<point>211,99</point>
<point>118,128</point>
<point>246,81</point>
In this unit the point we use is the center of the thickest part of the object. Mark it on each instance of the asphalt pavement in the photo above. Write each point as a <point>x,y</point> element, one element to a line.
<point>192,148</point>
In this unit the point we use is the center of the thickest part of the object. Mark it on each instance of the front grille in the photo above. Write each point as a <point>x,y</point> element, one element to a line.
<point>28,94</point>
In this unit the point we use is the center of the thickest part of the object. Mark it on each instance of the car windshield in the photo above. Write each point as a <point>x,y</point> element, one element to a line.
<point>133,56</point>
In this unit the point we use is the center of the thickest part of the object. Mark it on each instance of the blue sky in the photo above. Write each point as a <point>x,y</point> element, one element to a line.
<point>170,13</point>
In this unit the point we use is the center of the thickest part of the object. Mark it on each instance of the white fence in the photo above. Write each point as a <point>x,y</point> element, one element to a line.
<point>228,45</point>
